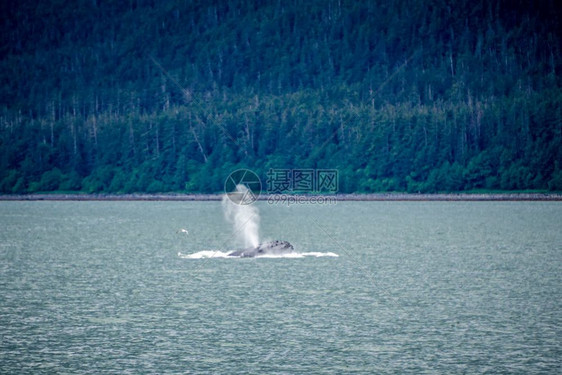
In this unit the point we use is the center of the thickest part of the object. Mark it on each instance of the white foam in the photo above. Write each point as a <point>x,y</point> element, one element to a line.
<point>289,255</point>
<point>319,254</point>
<point>205,254</point>
<point>221,254</point>
<point>315,254</point>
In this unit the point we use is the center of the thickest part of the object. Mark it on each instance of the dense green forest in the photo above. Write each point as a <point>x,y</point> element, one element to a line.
<point>173,95</point>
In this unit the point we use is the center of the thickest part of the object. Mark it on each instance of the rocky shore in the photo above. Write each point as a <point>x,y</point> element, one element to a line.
<point>338,197</point>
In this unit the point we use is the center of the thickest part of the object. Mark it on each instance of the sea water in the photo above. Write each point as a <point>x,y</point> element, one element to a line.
<point>378,287</point>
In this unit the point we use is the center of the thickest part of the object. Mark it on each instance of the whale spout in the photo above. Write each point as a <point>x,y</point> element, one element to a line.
<point>267,248</point>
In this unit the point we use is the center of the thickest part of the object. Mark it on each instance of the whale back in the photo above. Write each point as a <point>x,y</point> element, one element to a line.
<point>276,247</point>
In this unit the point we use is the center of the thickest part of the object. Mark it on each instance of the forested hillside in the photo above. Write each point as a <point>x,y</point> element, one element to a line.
<point>156,96</point>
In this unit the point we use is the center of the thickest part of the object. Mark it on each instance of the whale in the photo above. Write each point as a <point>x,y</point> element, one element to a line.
<point>267,248</point>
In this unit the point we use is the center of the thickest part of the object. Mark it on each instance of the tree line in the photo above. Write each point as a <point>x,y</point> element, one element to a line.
<point>147,96</point>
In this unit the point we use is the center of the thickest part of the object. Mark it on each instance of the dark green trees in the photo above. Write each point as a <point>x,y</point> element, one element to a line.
<point>174,95</point>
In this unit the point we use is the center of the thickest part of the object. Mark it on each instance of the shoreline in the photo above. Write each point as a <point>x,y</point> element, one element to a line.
<point>380,197</point>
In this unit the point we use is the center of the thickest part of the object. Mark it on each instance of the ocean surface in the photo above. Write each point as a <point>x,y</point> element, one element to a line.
<point>374,288</point>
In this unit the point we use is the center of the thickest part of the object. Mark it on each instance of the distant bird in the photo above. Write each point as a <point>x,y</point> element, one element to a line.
<point>183,231</point>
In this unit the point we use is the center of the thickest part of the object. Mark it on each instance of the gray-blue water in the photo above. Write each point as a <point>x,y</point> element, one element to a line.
<point>418,287</point>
